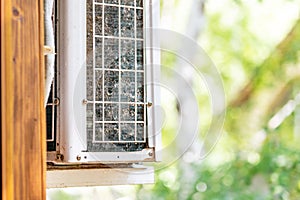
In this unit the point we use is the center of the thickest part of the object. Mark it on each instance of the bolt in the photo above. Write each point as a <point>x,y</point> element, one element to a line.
<point>59,157</point>
<point>56,101</point>
<point>149,104</point>
<point>78,158</point>
<point>84,101</point>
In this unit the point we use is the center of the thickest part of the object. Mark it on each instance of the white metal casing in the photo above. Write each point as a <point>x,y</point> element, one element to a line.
<point>72,113</point>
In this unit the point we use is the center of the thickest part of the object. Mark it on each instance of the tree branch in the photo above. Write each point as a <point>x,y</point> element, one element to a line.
<point>285,51</point>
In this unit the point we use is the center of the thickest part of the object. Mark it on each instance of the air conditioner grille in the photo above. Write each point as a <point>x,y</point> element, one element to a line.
<point>116,112</point>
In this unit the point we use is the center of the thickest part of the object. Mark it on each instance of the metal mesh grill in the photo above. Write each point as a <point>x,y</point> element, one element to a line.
<point>116,112</point>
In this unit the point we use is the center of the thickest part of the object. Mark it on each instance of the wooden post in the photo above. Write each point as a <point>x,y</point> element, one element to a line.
<point>22,113</point>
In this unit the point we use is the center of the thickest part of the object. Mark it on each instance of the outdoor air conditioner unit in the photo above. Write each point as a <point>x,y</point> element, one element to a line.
<point>102,110</point>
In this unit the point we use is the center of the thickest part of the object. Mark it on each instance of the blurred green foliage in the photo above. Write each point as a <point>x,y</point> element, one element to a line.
<point>60,194</point>
<point>253,160</point>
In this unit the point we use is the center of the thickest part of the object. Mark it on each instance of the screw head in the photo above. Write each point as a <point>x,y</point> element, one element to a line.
<point>59,157</point>
<point>78,158</point>
<point>84,101</point>
<point>56,101</point>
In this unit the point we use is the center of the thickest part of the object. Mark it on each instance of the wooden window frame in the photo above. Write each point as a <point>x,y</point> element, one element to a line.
<point>23,132</point>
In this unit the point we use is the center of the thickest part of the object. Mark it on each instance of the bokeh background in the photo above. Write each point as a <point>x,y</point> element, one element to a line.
<point>255,45</point>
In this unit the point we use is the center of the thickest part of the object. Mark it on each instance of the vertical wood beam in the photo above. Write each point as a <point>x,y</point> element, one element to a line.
<point>22,112</point>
